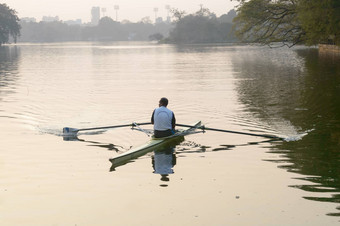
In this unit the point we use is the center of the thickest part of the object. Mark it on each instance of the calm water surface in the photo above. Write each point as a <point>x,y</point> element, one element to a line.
<point>217,179</point>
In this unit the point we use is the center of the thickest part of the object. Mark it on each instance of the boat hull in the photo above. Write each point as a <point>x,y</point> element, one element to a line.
<point>151,145</point>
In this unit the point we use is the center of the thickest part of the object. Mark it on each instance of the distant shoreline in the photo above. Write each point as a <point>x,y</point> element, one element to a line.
<point>325,48</point>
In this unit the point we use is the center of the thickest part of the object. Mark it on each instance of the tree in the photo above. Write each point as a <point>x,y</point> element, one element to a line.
<point>288,21</point>
<point>266,21</point>
<point>156,37</point>
<point>205,12</point>
<point>146,20</point>
<point>200,27</point>
<point>177,14</point>
<point>9,26</point>
<point>228,18</point>
<point>320,20</point>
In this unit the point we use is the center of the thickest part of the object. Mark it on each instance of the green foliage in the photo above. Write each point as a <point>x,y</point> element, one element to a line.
<point>320,20</point>
<point>288,21</point>
<point>9,26</point>
<point>266,21</point>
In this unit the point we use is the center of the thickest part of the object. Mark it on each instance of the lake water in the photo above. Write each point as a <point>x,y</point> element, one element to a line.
<point>219,178</point>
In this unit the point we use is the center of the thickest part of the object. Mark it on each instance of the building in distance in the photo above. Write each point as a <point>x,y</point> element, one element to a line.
<point>50,18</point>
<point>95,15</point>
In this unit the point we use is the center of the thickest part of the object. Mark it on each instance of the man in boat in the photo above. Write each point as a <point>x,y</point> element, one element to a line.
<point>163,119</point>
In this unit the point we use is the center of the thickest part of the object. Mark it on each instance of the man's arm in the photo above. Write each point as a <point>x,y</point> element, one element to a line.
<point>173,121</point>
<point>152,117</point>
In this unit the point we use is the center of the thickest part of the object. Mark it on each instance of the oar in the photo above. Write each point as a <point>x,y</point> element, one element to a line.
<point>67,131</point>
<point>230,131</point>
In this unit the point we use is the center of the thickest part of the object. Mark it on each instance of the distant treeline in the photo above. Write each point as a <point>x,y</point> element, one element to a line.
<point>201,27</point>
<point>106,30</point>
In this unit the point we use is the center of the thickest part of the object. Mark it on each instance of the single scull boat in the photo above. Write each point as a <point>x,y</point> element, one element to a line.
<point>151,145</point>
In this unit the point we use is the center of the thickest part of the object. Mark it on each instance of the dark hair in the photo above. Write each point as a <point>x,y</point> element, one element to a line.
<point>164,101</point>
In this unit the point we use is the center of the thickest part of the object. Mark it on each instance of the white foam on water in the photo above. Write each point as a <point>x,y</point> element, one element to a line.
<point>297,137</point>
<point>287,131</point>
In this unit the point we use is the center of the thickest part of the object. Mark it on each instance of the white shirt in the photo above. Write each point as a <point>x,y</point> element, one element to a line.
<point>162,118</point>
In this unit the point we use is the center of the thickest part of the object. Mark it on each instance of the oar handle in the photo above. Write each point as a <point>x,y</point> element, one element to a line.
<point>230,131</point>
<point>116,126</point>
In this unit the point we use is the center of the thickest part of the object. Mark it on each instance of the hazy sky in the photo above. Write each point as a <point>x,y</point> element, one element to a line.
<point>132,10</point>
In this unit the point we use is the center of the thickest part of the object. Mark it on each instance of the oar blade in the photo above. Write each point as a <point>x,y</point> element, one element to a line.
<point>68,131</point>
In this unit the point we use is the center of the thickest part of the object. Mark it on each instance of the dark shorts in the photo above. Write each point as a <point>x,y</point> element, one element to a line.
<point>165,133</point>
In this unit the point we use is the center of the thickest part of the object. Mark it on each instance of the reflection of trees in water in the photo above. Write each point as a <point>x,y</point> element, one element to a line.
<point>308,97</point>
<point>8,69</point>
<point>268,85</point>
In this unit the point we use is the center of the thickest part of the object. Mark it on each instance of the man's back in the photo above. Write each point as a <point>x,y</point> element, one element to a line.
<point>163,119</point>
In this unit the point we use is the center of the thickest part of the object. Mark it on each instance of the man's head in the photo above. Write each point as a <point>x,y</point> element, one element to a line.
<point>163,102</point>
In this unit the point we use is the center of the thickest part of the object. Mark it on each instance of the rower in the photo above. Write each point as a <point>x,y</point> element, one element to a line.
<point>163,119</point>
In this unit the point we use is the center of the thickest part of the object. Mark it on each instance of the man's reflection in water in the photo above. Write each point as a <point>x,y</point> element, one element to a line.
<point>163,162</point>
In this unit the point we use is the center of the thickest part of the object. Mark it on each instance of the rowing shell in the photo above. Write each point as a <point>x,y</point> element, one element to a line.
<point>151,145</point>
